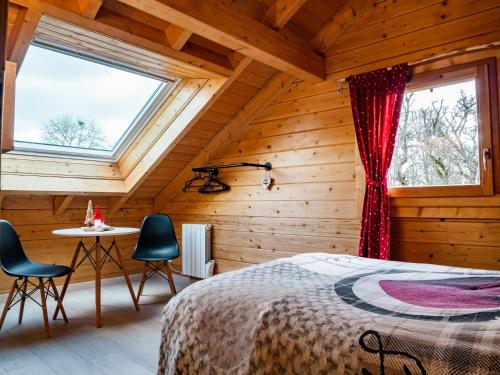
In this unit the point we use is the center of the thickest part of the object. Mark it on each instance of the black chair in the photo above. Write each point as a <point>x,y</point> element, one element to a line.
<point>156,246</point>
<point>15,263</point>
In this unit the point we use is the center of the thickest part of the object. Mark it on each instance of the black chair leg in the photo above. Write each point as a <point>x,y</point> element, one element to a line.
<point>23,300</point>
<point>8,302</point>
<point>41,286</point>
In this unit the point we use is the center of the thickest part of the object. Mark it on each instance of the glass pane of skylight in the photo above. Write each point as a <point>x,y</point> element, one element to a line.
<point>69,101</point>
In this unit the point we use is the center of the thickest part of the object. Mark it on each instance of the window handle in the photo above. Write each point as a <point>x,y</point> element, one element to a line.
<point>486,157</point>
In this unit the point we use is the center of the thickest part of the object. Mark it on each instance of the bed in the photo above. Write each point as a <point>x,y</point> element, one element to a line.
<point>335,314</point>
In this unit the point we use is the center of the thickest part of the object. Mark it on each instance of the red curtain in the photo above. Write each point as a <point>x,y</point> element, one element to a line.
<point>376,99</point>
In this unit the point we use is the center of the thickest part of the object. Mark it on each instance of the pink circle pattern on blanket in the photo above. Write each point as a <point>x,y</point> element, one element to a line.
<point>467,292</point>
<point>410,294</point>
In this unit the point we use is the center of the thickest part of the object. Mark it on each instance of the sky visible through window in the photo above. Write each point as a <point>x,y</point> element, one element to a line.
<point>65,100</point>
<point>437,140</point>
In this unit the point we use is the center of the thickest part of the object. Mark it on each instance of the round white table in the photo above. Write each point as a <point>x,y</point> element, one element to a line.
<point>93,255</point>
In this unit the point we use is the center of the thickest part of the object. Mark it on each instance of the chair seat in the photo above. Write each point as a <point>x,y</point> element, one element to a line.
<point>155,255</point>
<point>30,269</point>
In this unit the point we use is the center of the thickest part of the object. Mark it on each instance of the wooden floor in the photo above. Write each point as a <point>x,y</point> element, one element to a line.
<point>127,343</point>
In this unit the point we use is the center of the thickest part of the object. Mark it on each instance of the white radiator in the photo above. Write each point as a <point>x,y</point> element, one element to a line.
<point>196,245</point>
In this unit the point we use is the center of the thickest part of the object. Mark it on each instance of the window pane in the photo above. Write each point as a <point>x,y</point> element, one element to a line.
<point>437,139</point>
<point>65,100</point>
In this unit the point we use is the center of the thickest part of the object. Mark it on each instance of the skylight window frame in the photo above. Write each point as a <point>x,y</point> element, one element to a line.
<point>135,127</point>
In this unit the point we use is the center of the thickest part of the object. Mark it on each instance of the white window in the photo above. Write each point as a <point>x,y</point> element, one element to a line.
<point>79,105</point>
<point>443,143</point>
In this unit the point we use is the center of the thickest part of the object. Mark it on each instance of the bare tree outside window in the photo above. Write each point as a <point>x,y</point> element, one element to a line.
<point>437,139</point>
<point>74,132</point>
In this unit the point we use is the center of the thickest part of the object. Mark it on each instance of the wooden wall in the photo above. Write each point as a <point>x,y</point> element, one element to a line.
<point>462,231</point>
<point>396,31</point>
<point>247,85</point>
<point>33,219</point>
<point>455,231</point>
<point>308,136</point>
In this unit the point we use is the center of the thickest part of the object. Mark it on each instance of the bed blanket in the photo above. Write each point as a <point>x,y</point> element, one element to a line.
<point>335,314</point>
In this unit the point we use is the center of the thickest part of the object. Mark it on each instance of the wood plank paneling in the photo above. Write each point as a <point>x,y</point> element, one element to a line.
<point>397,32</point>
<point>311,205</point>
<point>454,231</point>
<point>307,135</point>
<point>224,109</point>
<point>34,220</point>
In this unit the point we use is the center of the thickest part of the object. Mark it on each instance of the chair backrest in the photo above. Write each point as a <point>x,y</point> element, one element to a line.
<point>11,250</point>
<point>158,235</point>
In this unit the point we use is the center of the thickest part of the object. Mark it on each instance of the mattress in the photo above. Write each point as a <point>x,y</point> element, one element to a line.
<point>335,314</point>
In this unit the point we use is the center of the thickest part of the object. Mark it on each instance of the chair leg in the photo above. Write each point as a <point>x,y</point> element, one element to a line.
<point>44,307</point>
<point>23,299</point>
<point>58,300</point>
<point>170,279</point>
<point>143,280</point>
<point>68,278</point>
<point>8,302</point>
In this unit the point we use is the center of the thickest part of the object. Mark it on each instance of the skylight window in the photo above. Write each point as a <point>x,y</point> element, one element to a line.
<point>66,104</point>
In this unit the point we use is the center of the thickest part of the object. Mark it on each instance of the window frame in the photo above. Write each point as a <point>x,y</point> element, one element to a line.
<point>482,71</point>
<point>134,128</point>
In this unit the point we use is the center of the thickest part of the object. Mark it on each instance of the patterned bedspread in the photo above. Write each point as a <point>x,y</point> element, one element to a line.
<point>335,314</point>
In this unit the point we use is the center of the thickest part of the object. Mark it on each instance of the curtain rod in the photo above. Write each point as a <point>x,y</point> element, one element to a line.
<point>485,47</point>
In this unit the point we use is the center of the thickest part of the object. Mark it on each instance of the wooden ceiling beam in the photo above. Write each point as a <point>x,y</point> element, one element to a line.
<point>177,37</point>
<point>281,11</point>
<point>61,203</point>
<point>224,24</point>
<point>341,22</point>
<point>4,10</point>
<point>66,11</point>
<point>115,204</point>
<point>89,8</point>
<point>22,33</point>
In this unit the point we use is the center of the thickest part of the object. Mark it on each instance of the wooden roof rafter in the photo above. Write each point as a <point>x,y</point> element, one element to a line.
<point>226,25</point>
<point>343,19</point>
<point>89,8</point>
<point>22,33</point>
<point>275,87</point>
<point>61,203</point>
<point>281,11</point>
<point>177,36</point>
<point>127,30</point>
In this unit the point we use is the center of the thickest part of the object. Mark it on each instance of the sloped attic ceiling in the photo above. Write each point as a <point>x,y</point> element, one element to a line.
<point>33,172</point>
<point>240,87</point>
